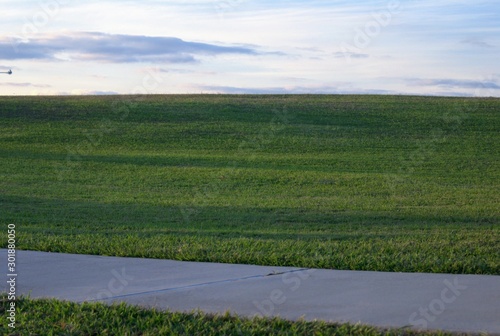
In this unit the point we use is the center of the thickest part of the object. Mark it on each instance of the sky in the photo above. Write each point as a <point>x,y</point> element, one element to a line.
<point>423,47</point>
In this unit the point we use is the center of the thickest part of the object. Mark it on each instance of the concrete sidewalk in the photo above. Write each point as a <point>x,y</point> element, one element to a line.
<point>466,303</point>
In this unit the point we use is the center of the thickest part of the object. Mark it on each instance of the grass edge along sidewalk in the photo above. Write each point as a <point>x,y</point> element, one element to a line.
<point>54,317</point>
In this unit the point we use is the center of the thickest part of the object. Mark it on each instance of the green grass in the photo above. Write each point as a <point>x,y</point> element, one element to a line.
<point>51,317</point>
<point>385,183</point>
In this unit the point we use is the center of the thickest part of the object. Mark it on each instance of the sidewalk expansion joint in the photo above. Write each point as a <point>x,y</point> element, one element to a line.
<point>203,284</point>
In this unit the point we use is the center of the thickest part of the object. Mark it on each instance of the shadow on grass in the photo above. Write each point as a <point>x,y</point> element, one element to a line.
<point>242,160</point>
<point>66,216</point>
<point>263,236</point>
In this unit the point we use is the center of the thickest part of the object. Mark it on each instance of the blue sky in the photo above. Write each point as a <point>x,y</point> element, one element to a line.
<point>243,46</point>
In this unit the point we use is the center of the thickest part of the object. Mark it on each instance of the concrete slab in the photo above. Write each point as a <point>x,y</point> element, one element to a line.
<point>464,303</point>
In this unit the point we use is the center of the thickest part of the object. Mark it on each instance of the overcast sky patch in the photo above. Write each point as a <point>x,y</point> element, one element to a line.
<point>428,47</point>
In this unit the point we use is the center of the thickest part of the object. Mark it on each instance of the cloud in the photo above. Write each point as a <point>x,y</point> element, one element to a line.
<point>477,42</point>
<point>113,48</point>
<point>454,83</point>
<point>26,85</point>
<point>291,90</point>
<point>81,92</point>
<point>162,70</point>
<point>349,54</point>
<point>268,90</point>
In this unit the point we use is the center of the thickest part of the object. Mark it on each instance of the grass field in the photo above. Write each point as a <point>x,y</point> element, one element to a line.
<point>52,317</point>
<point>386,183</point>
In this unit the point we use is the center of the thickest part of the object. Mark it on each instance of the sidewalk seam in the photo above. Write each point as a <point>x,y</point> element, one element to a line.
<point>196,285</point>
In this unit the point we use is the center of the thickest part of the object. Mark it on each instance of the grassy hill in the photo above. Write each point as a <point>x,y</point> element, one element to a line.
<point>387,183</point>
